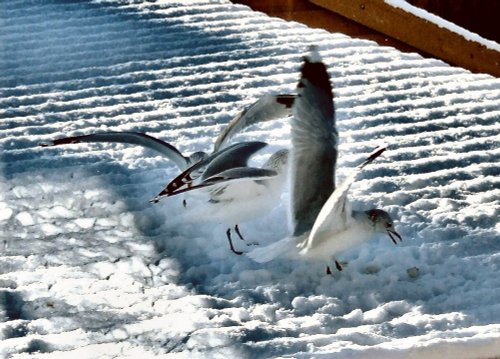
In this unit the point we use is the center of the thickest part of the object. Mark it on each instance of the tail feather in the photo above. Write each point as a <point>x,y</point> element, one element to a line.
<point>285,247</point>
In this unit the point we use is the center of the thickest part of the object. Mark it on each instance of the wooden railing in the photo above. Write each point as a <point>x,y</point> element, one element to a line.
<point>381,22</point>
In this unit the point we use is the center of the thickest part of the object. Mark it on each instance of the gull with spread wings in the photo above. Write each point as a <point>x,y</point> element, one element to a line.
<point>236,193</point>
<point>324,225</point>
<point>228,162</point>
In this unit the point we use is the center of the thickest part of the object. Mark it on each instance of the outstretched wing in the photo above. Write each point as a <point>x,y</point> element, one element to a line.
<point>134,138</point>
<point>233,156</point>
<point>314,144</point>
<point>267,108</point>
<point>232,176</point>
<point>334,214</point>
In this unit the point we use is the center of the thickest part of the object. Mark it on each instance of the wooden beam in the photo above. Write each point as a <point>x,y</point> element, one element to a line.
<point>418,32</point>
<point>316,16</point>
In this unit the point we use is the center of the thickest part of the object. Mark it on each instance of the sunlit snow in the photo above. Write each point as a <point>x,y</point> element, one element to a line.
<point>90,268</point>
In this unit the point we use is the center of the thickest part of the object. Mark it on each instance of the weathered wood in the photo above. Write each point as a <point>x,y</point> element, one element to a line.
<point>375,20</point>
<point>420,33</point>
<point>315,16</point>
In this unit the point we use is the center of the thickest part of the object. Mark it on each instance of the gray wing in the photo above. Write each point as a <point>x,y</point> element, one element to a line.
<point>314,144</point>
<point>267,108</point>
<point>134,138</point>
<point>236,155</point>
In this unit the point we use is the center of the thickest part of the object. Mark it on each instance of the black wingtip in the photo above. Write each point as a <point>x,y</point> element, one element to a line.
<point>62,141</point>
<point>286,100</point>
<point>315,71</point>
<point>376,153</point>
<point>373,156</point>
<point>164,193</point>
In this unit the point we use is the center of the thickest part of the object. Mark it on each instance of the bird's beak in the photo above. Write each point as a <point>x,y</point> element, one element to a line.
<point>393,235</point>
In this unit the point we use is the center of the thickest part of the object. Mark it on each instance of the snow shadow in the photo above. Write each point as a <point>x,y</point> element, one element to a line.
<point>83,67</point>
<point>80,67</point>
<point>19,315</point>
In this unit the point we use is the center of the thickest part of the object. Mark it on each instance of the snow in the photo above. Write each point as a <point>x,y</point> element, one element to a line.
<point>90,268</point>
<point>402,4</point>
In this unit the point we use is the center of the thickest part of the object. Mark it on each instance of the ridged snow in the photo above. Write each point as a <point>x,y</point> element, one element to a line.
<point>90,268</point>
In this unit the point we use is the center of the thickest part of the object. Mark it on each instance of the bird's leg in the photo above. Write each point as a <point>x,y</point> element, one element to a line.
<point>228,234</point>
<point>237,230</point>
<point>338,265</point>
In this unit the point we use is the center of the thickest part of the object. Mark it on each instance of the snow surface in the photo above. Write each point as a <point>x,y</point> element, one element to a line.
<point>469,35</point>
<point>90,269</point>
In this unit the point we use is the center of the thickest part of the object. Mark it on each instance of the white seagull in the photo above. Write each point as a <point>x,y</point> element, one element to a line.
<point>233,158</point>
<point>323,223</point>
<point>235,194</point>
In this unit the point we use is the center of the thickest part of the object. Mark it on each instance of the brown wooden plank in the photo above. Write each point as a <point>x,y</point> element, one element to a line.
<point>418,32</point>
<point>315,16</point>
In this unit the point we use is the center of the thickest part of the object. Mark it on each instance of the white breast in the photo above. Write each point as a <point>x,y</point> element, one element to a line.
<point>328,245</point>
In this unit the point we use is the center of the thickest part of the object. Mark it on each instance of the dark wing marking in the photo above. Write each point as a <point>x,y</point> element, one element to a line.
<point>231,175</point>
<point>134,138</point>
<point>236,155</point>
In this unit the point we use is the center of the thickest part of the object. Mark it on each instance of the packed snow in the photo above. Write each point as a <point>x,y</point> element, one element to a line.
<point>90,268</point>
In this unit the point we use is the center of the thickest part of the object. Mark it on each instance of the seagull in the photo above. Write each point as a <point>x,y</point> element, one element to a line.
<point>224,157</point>
<point>266,108</point>
<point>235,194</point>
<point>323,223</point>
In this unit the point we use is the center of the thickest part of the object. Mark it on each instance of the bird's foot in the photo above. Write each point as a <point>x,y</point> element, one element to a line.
<point>228,234</point>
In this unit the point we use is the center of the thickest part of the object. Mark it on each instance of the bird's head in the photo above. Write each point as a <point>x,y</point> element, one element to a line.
<point>196,157</point>
<point>382,223</point>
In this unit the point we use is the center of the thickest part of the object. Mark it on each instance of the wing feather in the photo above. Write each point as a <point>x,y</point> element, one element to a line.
<point>133,138</point>
<point>314,145</point>
<point>334,214</point>
<point>267,108</point>
<point>233,175</point>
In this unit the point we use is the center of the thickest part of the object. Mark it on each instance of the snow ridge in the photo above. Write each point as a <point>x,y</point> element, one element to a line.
<point>90,268</point>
